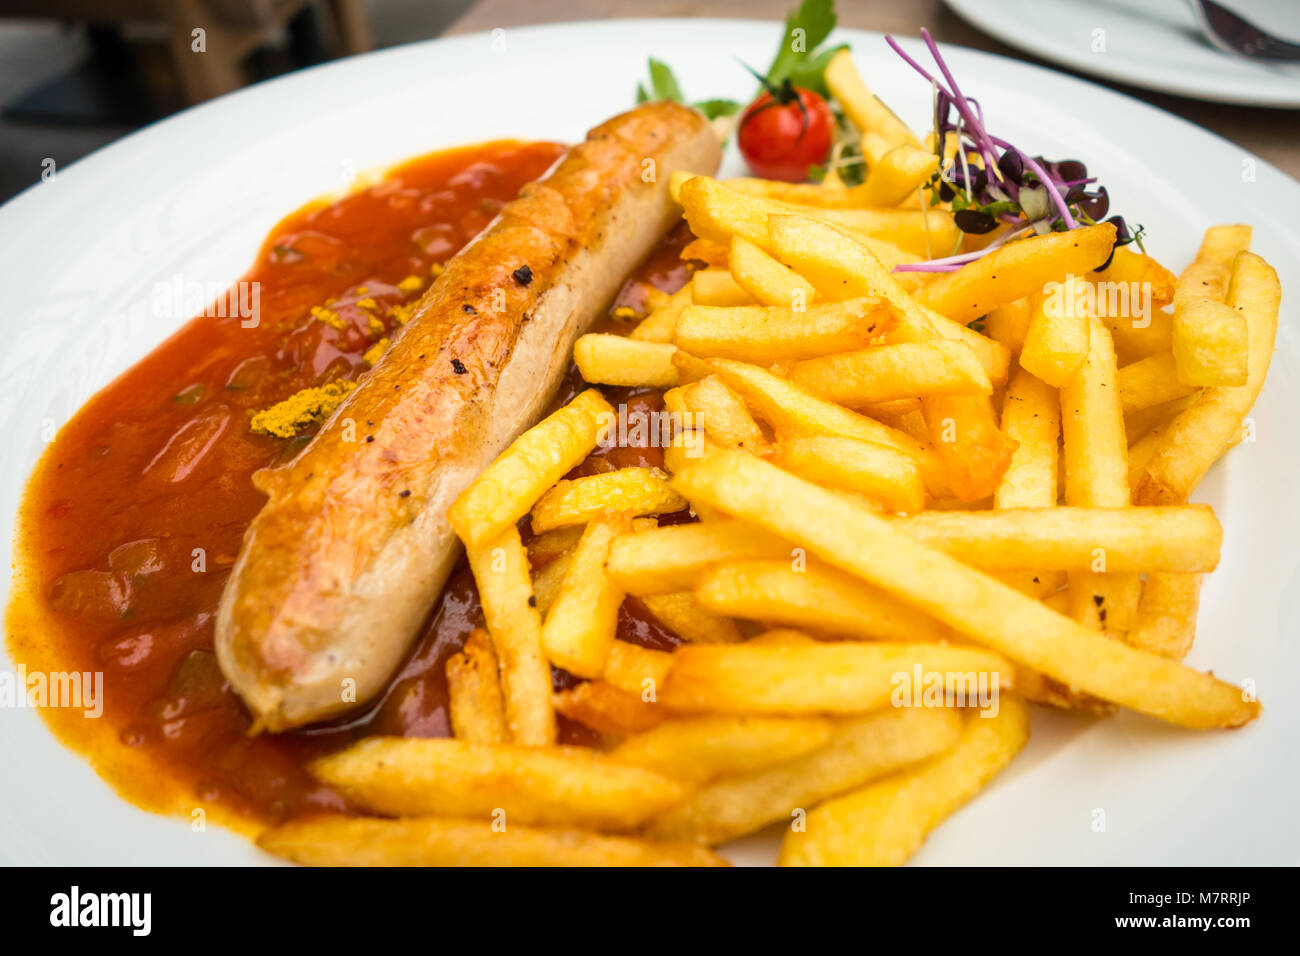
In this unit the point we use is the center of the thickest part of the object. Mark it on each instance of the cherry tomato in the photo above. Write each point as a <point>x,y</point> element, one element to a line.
<point>779,140</point>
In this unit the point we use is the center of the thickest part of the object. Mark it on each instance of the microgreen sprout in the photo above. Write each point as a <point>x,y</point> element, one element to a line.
<point>990,183</point>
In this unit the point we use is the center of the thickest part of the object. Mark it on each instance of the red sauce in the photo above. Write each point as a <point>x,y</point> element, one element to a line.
<point>134,515</point>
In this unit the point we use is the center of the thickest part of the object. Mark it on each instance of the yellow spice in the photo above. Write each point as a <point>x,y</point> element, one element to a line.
<point>301,411</point>
<point>375,352</point>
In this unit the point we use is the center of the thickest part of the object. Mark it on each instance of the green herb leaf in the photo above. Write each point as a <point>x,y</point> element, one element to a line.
<point>715,108</point>
<point>664,83</point>
<point>805,29</point>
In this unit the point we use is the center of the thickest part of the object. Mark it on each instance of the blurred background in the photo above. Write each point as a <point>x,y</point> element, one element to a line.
<point>77,74</point>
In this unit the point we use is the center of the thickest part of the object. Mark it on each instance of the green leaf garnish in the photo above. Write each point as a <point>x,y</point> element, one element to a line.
<point>664,83</point>
<point>805,29</point>
<point>715,108</point>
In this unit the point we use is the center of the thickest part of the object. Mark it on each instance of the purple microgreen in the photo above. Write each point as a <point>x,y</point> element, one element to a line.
<point>990,182</point>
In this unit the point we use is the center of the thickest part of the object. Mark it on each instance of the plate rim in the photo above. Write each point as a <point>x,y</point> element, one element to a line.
<point>686,23</point>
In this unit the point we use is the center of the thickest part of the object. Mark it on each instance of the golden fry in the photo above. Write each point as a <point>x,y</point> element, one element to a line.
<point>983,609</point>
<point>885,823</point>
<point>474,706</point>
<point>564,786</point>
<point>435,841</point>
<point>510,486</point>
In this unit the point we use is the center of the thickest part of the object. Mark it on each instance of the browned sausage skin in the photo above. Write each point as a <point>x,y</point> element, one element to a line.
<point>338,571</point>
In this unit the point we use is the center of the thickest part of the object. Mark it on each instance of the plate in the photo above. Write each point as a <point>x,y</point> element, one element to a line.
<point>194,195</point>
<point>1155,44</point>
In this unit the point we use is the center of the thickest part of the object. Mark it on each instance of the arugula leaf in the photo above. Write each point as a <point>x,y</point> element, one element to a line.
<point>715,108</point>
<point>641,95</point>
<point>663,82</point>
<point>805,29</point>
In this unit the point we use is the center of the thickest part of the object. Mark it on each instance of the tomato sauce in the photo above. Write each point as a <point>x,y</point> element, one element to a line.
<point>135,514</point>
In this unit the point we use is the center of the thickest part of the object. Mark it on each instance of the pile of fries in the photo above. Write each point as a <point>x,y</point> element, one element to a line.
<point>897,503</point>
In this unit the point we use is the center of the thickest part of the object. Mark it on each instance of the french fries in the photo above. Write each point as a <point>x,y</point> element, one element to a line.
<point>888,475</point>
<point>1019,268</point>
<point>1057,339</point>
<point>1150,381</point>
<point>1172,538</point>
<point>1210,272</point>
<point>723,416</point>
<point>1146,421</point>
<point>633,491</point>
<point>1210,340</point>
<point>658,326</point>
<point>868,114</point>
<point>605,359</point>
<point>789,408</point>
<point>830,196</point>
<point>885,823</point>
<point>897,175</point>
<point>993,355</point>
<point>700,749</point>
<point>1131,267</point>
<point>975,452</point>
<point>437,841</point>
<point>673,559</point>
<point>562,786</point>
<point>818,598</point>
<point>841,266</point>
<point>682,613</point>
<point>887,372</point>
<point>500,567</point>
<point>608,709</point>
<point>1166,615</point>
<point>717,213</point>
<point>537,459</point>
<point>712,254</point>
<point>1200,435</point>
<point>983,609</point>
<point>919,232</point>
<point>766,279</point>
<point>717,287</point>
<point>836,678</point>
<point>1031,417</point>
<point>1008,324</point>
<point>861,749</point>
<point>1095,458</point>
<point>580,626</point>
<point>475,707</point>
<point>636,669</point>
<point>767,334</point>
<point>1209,344</point>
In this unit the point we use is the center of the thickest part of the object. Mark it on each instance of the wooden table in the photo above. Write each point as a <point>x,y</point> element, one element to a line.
<point>1271,134</point>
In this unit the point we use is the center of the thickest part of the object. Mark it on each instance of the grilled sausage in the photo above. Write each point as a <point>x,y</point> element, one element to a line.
<point>341,567</point>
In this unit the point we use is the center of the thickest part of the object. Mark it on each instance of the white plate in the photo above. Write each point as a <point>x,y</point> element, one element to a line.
<point>1154,44</point>
<point>194,196</point>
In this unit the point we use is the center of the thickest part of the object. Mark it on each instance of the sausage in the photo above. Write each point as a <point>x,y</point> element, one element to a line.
<point>340,569</point>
